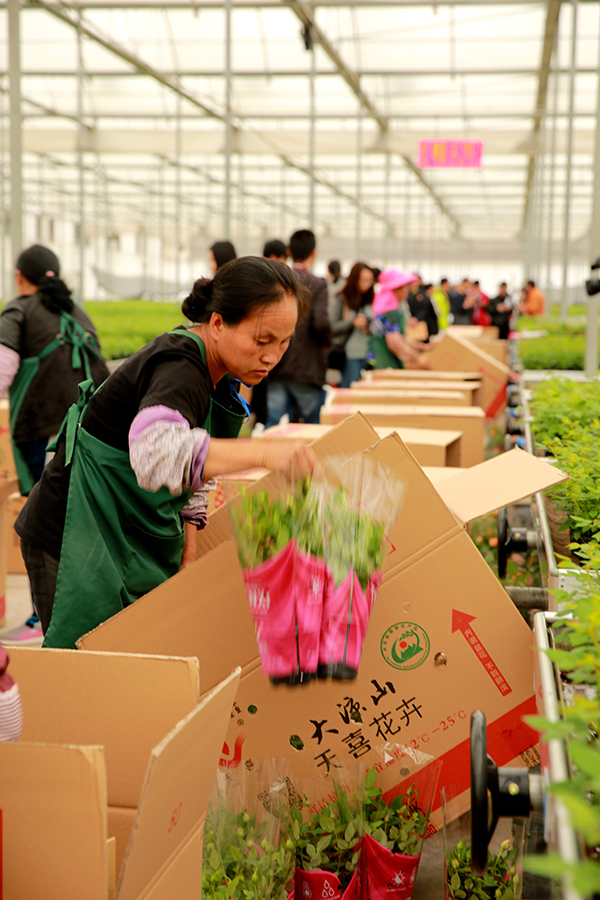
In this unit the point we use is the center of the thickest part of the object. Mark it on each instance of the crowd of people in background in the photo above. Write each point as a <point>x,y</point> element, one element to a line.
<point>368,318</point>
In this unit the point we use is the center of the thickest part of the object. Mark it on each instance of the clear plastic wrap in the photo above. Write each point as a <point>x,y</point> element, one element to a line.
<point>311,557</point>
<point>247,850</point>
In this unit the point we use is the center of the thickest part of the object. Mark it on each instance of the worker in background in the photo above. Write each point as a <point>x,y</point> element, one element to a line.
<point>533,302</point>
<point>48,345</point>
<point>500,309</point>
<point>441,304</point>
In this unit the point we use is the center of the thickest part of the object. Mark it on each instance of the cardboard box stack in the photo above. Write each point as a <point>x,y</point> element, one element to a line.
<point>430,448</point>
<point>111,780</point>
<point>470,389</point>
<point>469,420</point>
<point>444,637</point>
<point>418,397</point>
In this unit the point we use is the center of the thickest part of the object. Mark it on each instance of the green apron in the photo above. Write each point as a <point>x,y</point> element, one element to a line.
<point>120,541</point>
<point>83,343</point>
<point>381,356</point>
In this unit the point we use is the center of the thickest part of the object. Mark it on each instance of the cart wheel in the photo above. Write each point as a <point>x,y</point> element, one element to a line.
<point>503,534</point>
<point>510,540</point>
<point>480,829</point>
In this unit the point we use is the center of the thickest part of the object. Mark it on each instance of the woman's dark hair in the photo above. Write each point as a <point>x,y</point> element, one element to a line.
<point>353,298</point>
<point>240,287</point>
<point>40,266</point>
<point>223,252</point>
<point>335,269</point>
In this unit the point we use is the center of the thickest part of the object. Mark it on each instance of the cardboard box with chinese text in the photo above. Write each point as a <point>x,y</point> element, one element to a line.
<point>444,637</point>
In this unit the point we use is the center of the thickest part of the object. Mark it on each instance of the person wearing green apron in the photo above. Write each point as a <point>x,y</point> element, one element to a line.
<point>388,347</point>
<point>116,511</point>
<point>48,345</point>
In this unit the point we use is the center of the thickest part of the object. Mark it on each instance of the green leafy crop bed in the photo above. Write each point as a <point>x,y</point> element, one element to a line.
<point>563,347</point>
<point>124,326</point>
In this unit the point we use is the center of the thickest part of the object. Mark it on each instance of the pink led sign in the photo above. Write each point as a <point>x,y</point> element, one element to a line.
<point>450,154</point>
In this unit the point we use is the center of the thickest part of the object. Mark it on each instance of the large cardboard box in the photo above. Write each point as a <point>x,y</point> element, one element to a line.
<point>7,464</point>
<point>429,447</point>
<point>471,647</point>
<point>455,353</point>
<point>469,420</point>
<point>113,746</point>
<point>471,389</point>
<point>420,397</point>
<point>496,348</point>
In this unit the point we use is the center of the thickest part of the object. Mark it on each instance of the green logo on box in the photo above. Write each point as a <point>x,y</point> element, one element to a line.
<point>405,646</point>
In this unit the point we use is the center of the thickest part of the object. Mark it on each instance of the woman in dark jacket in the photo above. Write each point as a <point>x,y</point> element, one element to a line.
<point>48,345</point>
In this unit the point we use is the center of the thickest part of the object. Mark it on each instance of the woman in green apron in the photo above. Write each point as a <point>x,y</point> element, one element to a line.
<point>47,347</point>
<point>116,511</point>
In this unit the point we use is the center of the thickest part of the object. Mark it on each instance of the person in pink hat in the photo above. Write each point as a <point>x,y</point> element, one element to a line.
<point>389,348</point>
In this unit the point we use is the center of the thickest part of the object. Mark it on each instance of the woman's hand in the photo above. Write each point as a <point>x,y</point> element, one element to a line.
<point>292,459</point>
<point>361,322</point>
<point>189,551</point>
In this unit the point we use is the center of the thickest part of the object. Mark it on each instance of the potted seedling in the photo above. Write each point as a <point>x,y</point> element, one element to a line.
<point>502,880</point>
<point>361,844</point>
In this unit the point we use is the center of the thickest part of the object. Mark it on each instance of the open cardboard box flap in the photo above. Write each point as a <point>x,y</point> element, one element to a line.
<point>176,791</point>
<point>501,481</point>
<point>91,723</point>
<point>435,584</point>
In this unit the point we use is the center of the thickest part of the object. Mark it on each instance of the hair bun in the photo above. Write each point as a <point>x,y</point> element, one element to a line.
<point>194,306</point>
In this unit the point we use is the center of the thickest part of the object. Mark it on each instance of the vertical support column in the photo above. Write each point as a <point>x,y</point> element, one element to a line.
<point>228,124</point>
<point>178,195</point>
<point>358,213</point>
<point>406,248</point>
<point>549,247</point>
<point>591,335</point>
<point>80,166</point>
<point>282,203</point>
<point>386,209</point>
<point>311,146</point>
<point>161,226</point>
<point>566,233</point>
<point>16,185</point>
<point>4,286</point>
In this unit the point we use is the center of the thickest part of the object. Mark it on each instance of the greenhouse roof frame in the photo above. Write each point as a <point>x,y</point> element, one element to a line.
<point>371,105</point>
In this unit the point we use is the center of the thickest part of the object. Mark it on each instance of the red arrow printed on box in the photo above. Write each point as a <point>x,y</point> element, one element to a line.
<point>462,622</point>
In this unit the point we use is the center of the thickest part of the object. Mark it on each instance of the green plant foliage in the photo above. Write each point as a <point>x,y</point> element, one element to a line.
<point>579,497</point>
<point>564,352</point>
<point>560,406</point>
<point>500,882</point>
<point>347,538</point>
<point>240,859</point>
<point>125,326</point>
<point>577,655</point>
<point>329,838</point>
